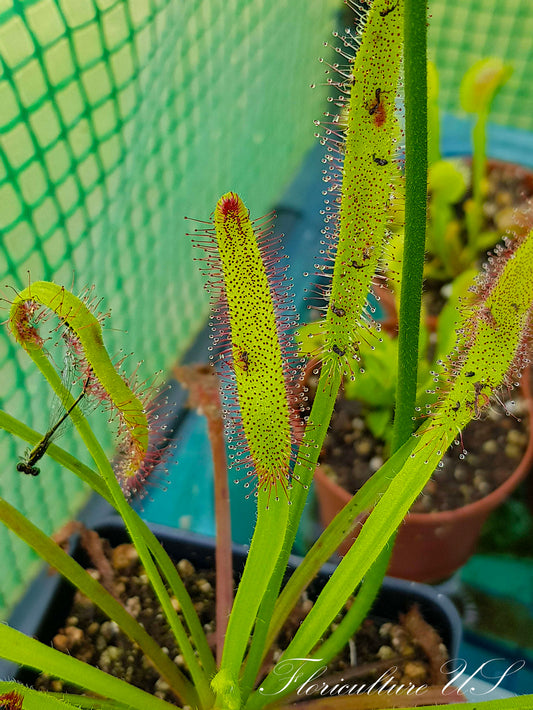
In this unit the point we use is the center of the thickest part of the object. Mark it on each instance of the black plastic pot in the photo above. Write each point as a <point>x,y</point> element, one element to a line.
<point>47,602</point>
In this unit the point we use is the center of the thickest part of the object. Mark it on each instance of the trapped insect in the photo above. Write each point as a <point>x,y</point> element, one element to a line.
<point>27,465</point>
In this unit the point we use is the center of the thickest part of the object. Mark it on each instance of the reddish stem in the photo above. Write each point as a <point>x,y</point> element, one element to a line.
<point>202,383</point>
<point>223,558</point>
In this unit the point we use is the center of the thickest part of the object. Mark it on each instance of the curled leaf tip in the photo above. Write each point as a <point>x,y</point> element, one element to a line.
<point>79,324</point>
<point>231,204</point>
<point>11,701</point>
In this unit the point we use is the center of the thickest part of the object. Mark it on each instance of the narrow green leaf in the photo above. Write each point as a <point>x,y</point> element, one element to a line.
<point>16,647</point>
<point>51,553</point>
<point>39,700</point>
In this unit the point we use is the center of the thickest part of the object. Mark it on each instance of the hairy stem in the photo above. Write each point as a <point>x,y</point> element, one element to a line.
<point>415,60</point>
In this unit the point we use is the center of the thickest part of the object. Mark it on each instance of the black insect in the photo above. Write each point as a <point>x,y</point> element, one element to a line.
<point>243,360</point>
<point>386,12</point>
<point>366,257</point>
<point>379,161</point>
<point>470,373</point>
<point>27,465</point>
<point>337,350</point>
<point>338,311</point>
<point>374,107</point>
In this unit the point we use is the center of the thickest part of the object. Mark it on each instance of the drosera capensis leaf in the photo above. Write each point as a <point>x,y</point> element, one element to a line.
<point>362,142</point>
<point>256,351</point>
<point>494,341</point>
<point>81,331</point>
<point>15,696</point>
<point>363,172</point>
<point>252,313</point>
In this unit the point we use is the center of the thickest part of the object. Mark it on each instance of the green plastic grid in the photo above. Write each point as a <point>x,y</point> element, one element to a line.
<point>117,119</point>
<point>463,31</point>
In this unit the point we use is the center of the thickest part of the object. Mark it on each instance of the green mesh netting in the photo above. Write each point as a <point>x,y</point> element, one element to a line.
<point>463,31</point>
<point>117,119</point>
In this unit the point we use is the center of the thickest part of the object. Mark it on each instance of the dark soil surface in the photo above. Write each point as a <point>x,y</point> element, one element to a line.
<point>495,446</point>
<point>91,637</point>
<point>510,187</point>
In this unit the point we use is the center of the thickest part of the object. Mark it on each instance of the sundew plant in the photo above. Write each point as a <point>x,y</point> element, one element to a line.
<point>253,320</point>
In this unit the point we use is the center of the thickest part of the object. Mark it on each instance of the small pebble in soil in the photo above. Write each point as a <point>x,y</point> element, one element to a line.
<point>386,652</point>
<point>489,447</point>
<point>375,463</point>
<point>414,672</point>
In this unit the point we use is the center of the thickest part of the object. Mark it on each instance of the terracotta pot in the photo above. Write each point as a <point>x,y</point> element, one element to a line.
<point>431,546</point>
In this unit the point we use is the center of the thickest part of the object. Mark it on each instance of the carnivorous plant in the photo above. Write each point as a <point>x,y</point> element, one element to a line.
<point>253,318</point>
